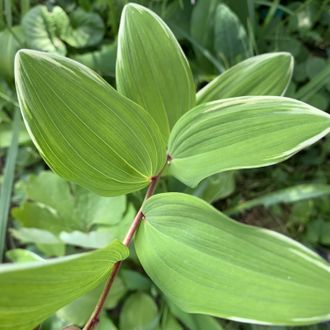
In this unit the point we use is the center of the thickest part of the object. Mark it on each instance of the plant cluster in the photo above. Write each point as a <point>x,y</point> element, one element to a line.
<point>144,162</point>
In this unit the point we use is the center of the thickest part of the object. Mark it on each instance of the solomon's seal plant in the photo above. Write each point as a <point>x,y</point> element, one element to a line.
<point>154,125</point>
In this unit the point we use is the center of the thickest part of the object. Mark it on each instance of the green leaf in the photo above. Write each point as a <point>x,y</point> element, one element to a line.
<point>192,251</point>
<point>86,29</point>
<point>135,280</point>
<point>169,322</point>
<point>105,323</point>
<point>103,61</point>
<point>195,321</point>
<point>151,67</point>
<point>244,132</point>
<point>307,91</point>
<point>31,292</point>
<point>287,195</point>
<point>86,131</point>
<point>215,187</point>
<point>11,41</point>
<point>53,204</point>
<point>6,134</point>
<point>267,74</point>
<point>79,311</point>
<point>35,235</point>
<point>139,312</point>
<point>94,239</point>
<point>202,30</point>
<point>43,28</point>
<point>8,182</point>
<point>22,255</point>
<point>48,243</point>
<point>230,42</point>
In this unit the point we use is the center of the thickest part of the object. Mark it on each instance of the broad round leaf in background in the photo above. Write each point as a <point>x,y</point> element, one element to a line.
<point>151,67</point>
<point>44,28</point>
<point>139,312</point>
<point>242,132</point>
<point>85,130</point>
<point>86,29</point>
<point>206,263</point>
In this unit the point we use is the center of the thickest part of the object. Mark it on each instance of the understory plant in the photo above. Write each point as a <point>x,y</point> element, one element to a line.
<point>155,126</point>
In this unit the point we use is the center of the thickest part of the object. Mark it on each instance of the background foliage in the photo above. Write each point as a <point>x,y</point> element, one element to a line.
<point>50,217</point>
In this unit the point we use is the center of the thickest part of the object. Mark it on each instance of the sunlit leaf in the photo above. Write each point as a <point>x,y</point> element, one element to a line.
<point>83,128</point>
<point>46,242</point>
<point>151,67</point>
<point>30,292</point>
<point>22,255</point>
<point>207,263</point>
<point>35,235</point>
<point>267,74</point>
<point>53,204</point>
<point>244,132</point>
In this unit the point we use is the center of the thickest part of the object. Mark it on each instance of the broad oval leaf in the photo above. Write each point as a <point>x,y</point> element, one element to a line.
<point>151,68</point>
<point>30,292</point>
<point>43,28</point>
<point>53,204</point>
<point>243,132</point>
<point>79,311</point>
<point>267,74</point>
<point>207,263</point>
<point>85,130</point>
<point>139,312</point>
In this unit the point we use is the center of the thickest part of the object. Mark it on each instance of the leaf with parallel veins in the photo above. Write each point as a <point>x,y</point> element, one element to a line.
<point>242,132</point>
<point>85,130</point>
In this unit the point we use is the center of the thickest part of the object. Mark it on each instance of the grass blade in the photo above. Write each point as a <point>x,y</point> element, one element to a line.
<point>8,180</point>
<point>313,86</point>
<point>287,195</point>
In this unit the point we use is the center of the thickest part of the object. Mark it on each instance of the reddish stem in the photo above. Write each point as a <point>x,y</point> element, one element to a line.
<point>94,319</point>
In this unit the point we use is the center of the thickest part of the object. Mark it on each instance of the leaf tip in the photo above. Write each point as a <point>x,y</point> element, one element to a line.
<point>25,53</point>
<point>132,8</point>
<point>288,58</point>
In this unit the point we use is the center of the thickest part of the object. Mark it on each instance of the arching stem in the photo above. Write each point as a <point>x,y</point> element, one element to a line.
<point>94,319</point>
